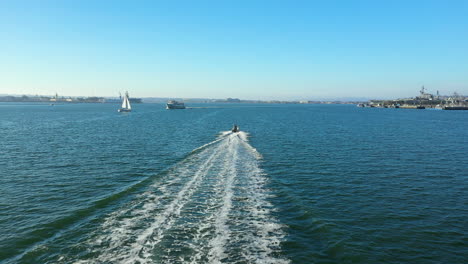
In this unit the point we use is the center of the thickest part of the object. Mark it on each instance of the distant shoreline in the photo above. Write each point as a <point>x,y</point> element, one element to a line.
<point>72,100</point>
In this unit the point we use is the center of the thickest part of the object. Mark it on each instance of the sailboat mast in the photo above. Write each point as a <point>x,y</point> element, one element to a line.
<point>127,101</point>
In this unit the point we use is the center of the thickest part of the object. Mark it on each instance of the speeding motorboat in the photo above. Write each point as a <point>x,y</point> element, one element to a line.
<point>235,129</point>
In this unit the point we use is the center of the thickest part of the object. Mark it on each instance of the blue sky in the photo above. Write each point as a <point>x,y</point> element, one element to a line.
<point>246,49</point>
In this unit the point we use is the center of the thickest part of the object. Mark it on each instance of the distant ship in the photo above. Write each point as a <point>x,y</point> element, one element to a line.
<point>125,104</point>
<point>175,105</point>
<point>460,107</point>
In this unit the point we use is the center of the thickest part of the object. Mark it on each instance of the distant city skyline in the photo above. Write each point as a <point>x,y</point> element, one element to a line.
<point>253,50</point>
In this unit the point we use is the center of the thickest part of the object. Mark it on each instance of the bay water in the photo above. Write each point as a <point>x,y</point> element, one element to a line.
<point>81,183</point>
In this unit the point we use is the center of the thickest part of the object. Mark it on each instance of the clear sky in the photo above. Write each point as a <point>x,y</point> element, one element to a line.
<point>246,49</point>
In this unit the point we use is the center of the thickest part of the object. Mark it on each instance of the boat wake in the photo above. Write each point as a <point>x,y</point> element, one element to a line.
<point>211,208</point>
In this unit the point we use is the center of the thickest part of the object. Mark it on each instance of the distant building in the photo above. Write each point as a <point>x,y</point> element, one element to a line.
<point>113,100</point>
<point>135,100</point>
<point>425,96</point>
<point>118,100</point>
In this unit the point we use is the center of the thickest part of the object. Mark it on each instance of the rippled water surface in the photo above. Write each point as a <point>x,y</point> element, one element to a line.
<point>81,183</point>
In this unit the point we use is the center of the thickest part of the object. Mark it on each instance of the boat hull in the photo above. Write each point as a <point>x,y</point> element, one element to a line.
<point>169,106</point>
<point>123,110</point>
<point>455,108</point>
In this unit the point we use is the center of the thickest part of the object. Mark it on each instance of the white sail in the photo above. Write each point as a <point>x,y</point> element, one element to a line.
<point>126,102</point>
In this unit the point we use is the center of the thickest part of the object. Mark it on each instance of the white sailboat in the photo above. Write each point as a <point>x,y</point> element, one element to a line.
<point>125,104</point>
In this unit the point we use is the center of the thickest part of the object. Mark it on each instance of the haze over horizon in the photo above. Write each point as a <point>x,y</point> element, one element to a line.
<point>244,49</point>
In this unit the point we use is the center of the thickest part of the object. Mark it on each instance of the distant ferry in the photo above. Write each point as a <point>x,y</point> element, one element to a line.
<point>175,105</point>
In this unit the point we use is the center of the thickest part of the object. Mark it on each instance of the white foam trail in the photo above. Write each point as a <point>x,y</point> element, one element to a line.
<point>206,226</point>
<point>161,223</point>
<point>208,144</point>
<point>121,223</point>
<point>211,208</point>
<point>262,232</point>
<point>268,233</point>
<point>243,135</point>
<point>225,133</point>
<point>217,252</point>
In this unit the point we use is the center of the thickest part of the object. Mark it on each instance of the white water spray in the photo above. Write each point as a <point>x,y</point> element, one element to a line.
<point>211,208</point>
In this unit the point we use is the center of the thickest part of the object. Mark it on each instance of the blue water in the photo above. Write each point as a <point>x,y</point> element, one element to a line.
<point>81,183</point>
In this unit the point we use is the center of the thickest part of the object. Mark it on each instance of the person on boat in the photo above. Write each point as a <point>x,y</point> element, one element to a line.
<point>235,128</point>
